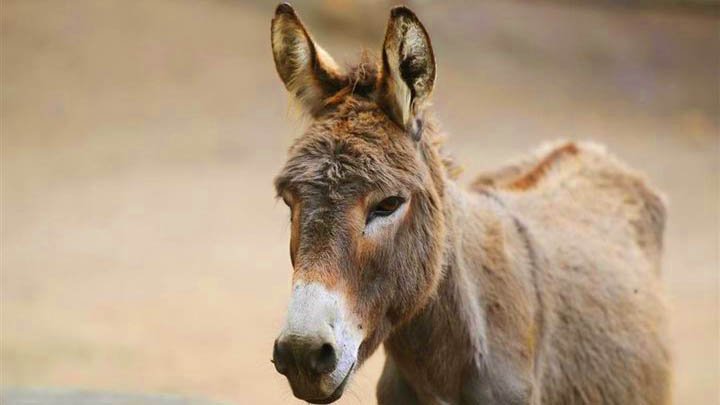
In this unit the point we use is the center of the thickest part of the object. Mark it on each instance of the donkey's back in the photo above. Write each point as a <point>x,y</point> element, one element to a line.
<point>598,228</point>
<point>589,196</point>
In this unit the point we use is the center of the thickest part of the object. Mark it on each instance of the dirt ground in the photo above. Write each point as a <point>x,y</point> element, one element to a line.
<point>142,249</point>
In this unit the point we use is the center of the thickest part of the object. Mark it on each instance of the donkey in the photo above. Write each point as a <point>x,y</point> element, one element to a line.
<point>538,284</point>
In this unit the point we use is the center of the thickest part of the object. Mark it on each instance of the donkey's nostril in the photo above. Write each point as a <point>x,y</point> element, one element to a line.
<point>324,359</point>
<point>281,357</point>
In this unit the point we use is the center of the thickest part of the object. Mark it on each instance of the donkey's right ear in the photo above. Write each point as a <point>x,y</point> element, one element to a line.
<point>308,72</point>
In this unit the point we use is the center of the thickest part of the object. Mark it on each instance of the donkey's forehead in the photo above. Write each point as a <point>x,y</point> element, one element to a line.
<point>348,154</point>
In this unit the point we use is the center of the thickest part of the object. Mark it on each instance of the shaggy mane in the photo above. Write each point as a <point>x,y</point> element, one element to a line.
<point>362,80</point>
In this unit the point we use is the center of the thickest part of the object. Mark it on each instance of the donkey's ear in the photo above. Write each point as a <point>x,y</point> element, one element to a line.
<point>308,72</point>
<point>408,68</point>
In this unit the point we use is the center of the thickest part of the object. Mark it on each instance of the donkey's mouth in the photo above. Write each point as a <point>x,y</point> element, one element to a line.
<point>338,391</point>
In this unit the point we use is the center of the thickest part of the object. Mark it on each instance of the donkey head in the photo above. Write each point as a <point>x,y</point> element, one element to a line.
<point>364,185</point>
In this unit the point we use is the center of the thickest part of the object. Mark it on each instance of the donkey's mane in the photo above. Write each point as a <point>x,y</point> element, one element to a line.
<point>361,82</point>
<point>363,76</point>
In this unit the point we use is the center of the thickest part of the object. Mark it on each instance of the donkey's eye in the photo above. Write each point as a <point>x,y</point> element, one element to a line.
<point>385,207</point>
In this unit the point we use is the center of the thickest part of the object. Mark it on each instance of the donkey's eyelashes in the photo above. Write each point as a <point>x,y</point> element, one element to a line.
<point>388,205</point>
<point>385,208</point>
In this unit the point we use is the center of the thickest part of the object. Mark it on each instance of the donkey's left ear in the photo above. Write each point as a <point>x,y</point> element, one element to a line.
<point>408,71</point>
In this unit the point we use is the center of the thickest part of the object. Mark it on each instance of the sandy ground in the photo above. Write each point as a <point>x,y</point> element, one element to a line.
<point>142,249</point>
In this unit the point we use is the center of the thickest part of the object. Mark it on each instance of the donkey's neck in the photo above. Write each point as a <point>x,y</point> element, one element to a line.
<point>442,346</point>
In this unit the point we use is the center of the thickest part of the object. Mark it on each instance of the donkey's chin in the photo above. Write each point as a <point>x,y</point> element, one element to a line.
<point>309,390</point>
<point>338,391</point>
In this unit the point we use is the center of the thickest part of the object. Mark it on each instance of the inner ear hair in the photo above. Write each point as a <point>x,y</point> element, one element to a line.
<point>408,73</point>
<point>309,73</point>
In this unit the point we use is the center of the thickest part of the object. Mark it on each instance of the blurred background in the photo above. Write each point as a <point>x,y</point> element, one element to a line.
<point>142,248</point>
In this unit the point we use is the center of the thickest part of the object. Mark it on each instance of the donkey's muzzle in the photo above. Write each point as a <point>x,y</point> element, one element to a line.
<point>318,346</point>
<point>293,354</point>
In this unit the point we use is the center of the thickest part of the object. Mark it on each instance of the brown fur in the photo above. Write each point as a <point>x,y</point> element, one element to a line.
<point>538,285</point>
